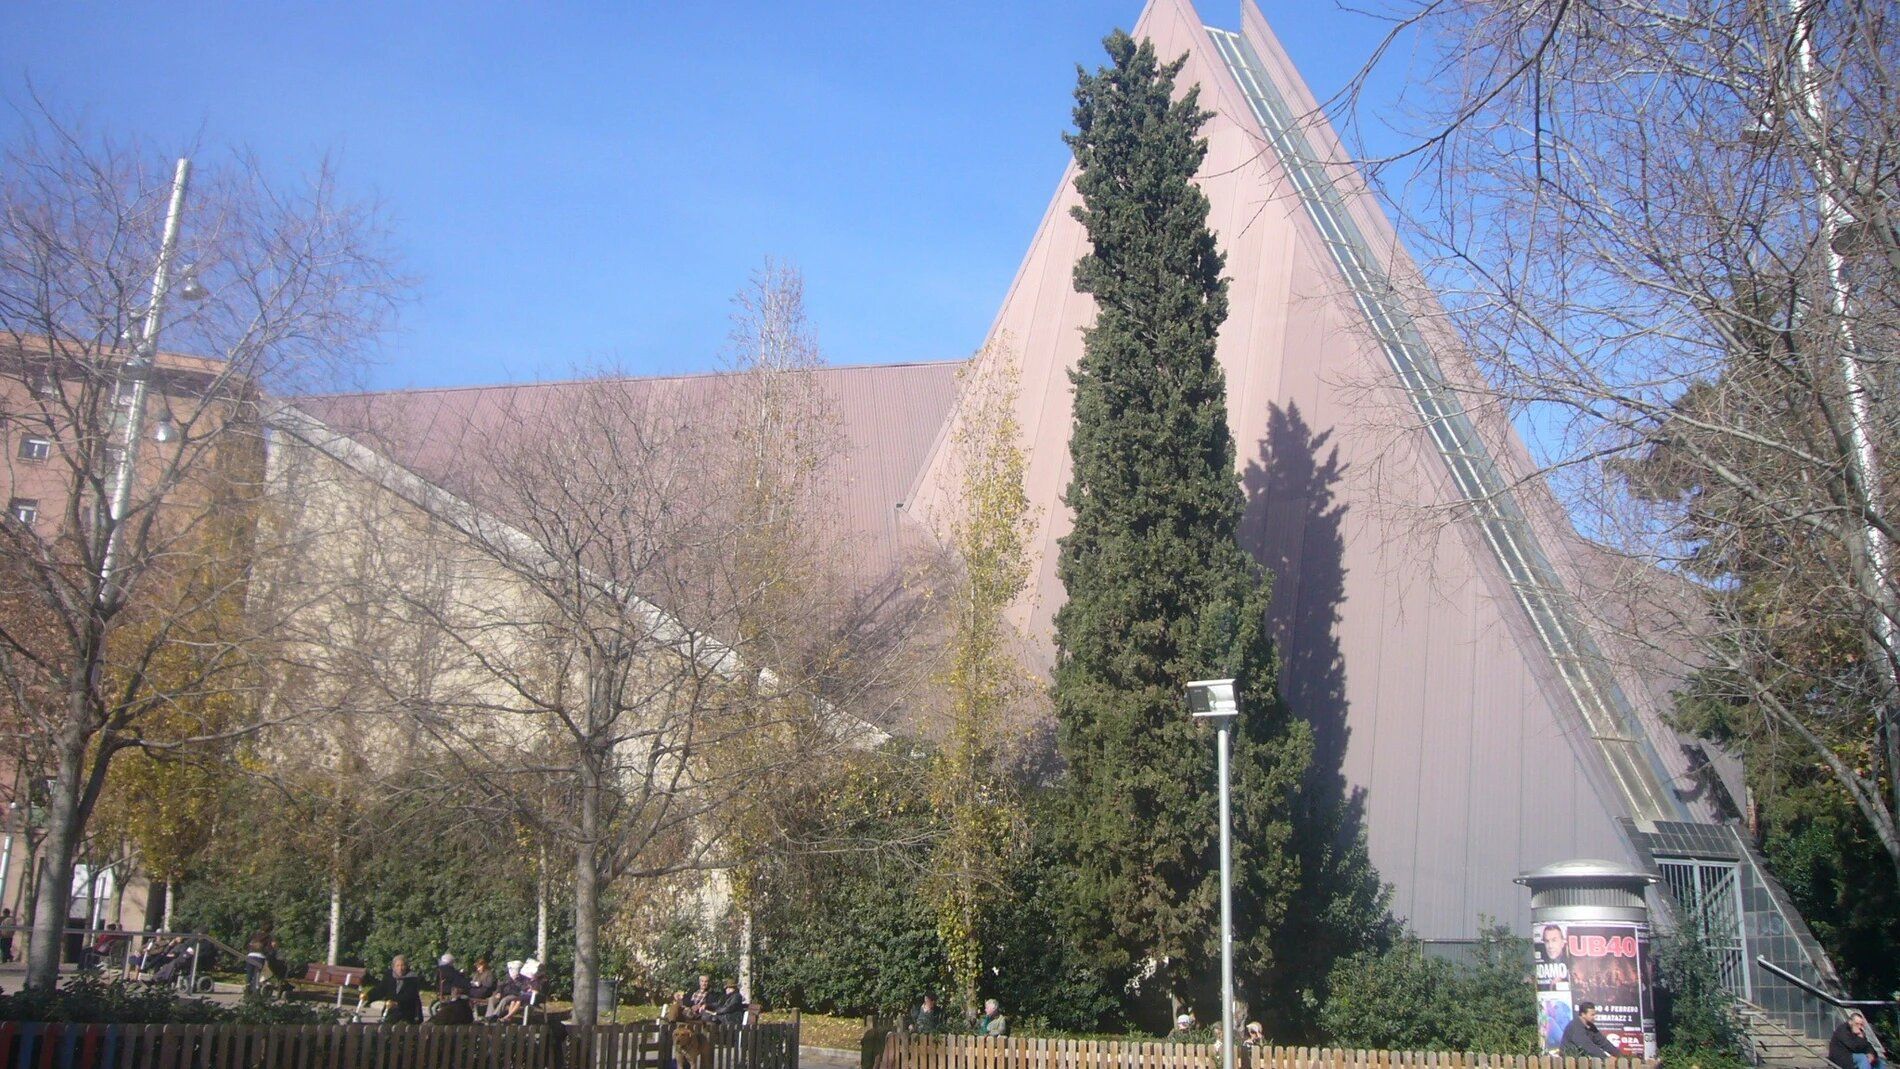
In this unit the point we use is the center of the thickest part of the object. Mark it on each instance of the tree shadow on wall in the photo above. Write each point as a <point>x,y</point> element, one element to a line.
<point>1294,524</point>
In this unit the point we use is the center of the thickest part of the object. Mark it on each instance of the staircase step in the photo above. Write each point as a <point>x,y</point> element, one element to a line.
<point>1776,1046</point>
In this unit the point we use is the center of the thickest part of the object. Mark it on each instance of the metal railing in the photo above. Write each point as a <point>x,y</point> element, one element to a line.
<point>1836,1001</point>
<point>128,944</point>
<point>1538,588</point>
<point>1833,1000</point>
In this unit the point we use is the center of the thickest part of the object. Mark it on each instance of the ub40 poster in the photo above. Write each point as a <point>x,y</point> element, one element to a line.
<point>1604,964</point>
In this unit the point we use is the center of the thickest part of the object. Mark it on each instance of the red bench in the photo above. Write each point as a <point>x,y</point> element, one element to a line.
<point>341,977</point>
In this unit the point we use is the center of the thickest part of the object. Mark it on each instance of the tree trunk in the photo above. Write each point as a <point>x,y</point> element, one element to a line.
<point>93,881</point>
<point>745,953</point>
<point>54,881</point>
<point>541,907</point>
<point>336,918</point>
<point>118,893</point>
<point>587,904</point>
<point>165,921</point>
<point>971,996</point>
<point>31,875</point>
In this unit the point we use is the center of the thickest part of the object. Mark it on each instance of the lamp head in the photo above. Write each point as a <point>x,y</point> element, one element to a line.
<point>1762,129</point>
<point>1211,699</point>
<point>191,289</point>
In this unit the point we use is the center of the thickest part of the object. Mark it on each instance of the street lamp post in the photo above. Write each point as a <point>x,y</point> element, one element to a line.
<point>1808,126</point>
<point>1863,460</point>
<point>1215,700</point>
<point>139,371</point>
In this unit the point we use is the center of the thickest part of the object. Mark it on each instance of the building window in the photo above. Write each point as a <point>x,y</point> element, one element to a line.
<point>24,510</point>
<point>33,447</point>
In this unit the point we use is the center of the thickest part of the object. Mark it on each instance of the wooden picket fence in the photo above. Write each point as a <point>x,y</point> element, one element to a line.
<point>376,1046</point>
<point>909,1051</point>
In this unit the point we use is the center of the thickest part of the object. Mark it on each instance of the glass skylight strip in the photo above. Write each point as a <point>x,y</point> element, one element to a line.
<point>1540,591</point>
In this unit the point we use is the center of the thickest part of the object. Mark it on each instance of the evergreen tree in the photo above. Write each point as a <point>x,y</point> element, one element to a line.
<point>1160,590</point>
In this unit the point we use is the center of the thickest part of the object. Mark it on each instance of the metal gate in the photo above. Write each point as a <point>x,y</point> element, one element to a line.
<point>1709,894</point>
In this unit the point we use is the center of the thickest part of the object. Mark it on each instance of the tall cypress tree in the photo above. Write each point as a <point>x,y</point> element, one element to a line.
<point>1160,590</point>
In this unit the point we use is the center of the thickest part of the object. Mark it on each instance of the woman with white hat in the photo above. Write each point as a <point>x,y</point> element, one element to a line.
<point>507,994</point>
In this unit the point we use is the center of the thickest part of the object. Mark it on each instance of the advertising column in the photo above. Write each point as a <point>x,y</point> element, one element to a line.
<point>1590,931</point>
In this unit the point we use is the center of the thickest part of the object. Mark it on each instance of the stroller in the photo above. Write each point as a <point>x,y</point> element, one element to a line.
<point>266,974</point>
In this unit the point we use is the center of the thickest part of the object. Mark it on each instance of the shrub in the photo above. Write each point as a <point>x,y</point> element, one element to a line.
<point>1402,998</point>
<point>1693,1016</point>
<point>855,932</point>
<point>256,1009</point>
<point>862,942</point>
<point>1677,1056</point>
<point>429,882</point>
<point>673,959</point>
<point>91,1000</point>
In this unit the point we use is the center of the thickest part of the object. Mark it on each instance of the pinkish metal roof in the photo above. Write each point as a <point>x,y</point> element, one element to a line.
<point>889,416</point>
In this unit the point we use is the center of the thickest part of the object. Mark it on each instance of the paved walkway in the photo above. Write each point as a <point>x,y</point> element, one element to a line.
<point>826,1058</point>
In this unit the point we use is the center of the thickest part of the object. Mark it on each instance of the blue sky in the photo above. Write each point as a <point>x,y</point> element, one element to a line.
<point>584,182</point>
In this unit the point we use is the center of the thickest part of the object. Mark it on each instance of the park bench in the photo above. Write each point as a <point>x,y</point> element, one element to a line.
<point>341,977</point>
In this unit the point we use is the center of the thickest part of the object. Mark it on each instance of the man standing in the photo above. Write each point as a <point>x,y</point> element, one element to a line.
<point>927,1018</point>
<point>1582,1038</point>
<point>1851,1047</point>
<point>259,951</point>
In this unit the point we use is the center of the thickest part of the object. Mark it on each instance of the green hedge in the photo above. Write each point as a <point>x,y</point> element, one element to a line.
<point>90,1000</point>
<point>427,883</point>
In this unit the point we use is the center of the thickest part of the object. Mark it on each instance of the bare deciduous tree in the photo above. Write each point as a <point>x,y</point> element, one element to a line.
<point>118,615</point>
<point>635,645</point>
<point>1667,230</point>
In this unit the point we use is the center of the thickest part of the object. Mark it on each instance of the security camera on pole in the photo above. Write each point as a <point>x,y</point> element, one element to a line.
<point>1215,700</point>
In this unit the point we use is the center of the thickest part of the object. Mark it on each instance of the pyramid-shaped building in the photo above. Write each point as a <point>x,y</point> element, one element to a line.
<point>1429,593</point>
<point>1434,645</point>
<point>1429,590</point>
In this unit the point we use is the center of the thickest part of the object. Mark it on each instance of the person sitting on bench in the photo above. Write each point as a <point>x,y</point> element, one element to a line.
<point>530,988</point>
<point>508,994</point>
<point>451,994</point>
<point>728,1009</point>
<point>481,987</point>
<point>159,952</point>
